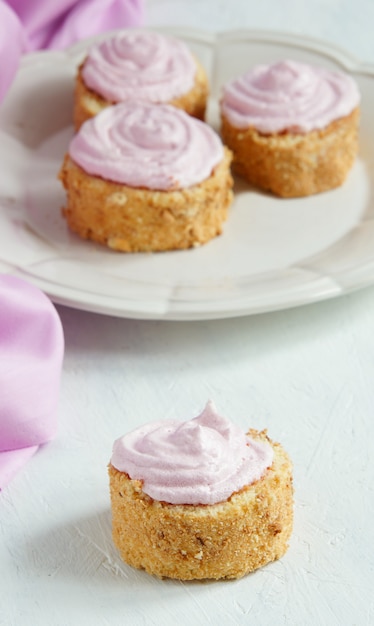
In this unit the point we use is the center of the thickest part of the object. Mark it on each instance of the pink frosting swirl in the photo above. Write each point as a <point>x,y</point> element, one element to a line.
<point>289,96</point>
<point>200,461</point>
<point>147,145</point>
<point>140,64</point>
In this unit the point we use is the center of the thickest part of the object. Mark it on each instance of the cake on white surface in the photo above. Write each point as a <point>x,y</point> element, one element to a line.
<point>200,499</point>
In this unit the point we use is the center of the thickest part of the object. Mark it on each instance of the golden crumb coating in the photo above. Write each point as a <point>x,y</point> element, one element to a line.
<point>129,219</point>
<point>293,165</point>
<point>88,103</point>
<point>224,540</point>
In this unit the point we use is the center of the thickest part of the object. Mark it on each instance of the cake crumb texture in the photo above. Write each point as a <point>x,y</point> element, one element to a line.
<point>295,165</point>
<point>224,540</point>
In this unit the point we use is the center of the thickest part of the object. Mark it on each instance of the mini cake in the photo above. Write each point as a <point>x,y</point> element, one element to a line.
<point>293,128</point>
<point>145,177</point>
<point>200,499</point>
<point>141,65</point>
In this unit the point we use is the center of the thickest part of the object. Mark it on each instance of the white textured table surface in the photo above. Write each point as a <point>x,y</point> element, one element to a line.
<point>306,374</point>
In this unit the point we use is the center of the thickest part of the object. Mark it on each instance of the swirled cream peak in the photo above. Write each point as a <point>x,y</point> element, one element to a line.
<point>147,145</point>
<point>289,96</point>
<point>200,461</point>
<point>139,64</point>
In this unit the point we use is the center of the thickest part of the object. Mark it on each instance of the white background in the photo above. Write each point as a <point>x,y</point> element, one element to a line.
<point>306,374</point>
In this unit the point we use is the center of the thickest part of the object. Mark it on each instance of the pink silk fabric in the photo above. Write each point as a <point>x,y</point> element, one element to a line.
<point>31,355</point>
<point>31,338</point>
<point>27,25</point>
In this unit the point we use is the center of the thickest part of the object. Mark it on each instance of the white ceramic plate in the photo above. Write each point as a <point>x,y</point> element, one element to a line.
<point>274,253</point>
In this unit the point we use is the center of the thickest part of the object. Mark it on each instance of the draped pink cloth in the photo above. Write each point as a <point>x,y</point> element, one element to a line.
<point>31,338</point>
<point>31,354</point>
<point>11,45</point>
<point>27,25</point>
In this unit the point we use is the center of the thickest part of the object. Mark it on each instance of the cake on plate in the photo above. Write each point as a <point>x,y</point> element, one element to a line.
<point>141,65</point>
<point>292,127</point>
<point>146,177</point>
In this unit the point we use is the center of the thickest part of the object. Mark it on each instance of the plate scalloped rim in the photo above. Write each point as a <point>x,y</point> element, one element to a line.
<point>302,283</point>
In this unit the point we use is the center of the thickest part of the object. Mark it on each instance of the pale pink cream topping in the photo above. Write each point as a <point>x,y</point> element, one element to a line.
<point>147,145</point>
<point>201,461</point>
<point>289,96</point>
<point>139,64</point>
